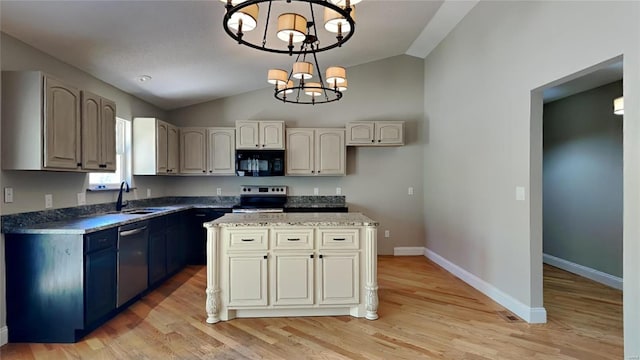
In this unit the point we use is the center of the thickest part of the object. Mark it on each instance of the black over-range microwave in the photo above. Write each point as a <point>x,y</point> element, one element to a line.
<point>260,162</point>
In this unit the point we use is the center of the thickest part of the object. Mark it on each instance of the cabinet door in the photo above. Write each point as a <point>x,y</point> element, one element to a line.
<point>157,256</point>
<point>389,132</point>
<point>338,277</point>
<point>247,279</point>
<point>300,152</point>
<point>330,154</point>
<point>162,147</point>
<point>221,151</point>
<point>176,247</point>
<point>61,126</point>
<point>91,131</point>
<point>247,135</point>
<point>108,135</point>
<point>193,144</point>
<point>292,279</point>
<point>360,133</point>
<point>100,282</point>
<point>271,134</point>
<point>173,150</point>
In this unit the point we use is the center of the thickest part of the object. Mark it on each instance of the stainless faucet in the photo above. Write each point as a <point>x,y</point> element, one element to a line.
<point>119,204</point>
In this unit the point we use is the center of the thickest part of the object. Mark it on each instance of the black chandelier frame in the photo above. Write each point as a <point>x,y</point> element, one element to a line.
<point>239,35</point>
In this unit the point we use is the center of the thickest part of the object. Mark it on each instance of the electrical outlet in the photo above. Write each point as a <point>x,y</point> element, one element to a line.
<point>8,195</point>
<point>218,191</point>
<point>82,198</point>
<point>48,201</point>
<point>315,191</point>
<point>338,191</point>
<point>520,193</point>
<point>148,193</point>
<point>387,233</point>
<point>410,190</point>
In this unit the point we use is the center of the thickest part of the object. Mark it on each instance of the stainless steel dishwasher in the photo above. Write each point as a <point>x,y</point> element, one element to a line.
<point>133,266</point>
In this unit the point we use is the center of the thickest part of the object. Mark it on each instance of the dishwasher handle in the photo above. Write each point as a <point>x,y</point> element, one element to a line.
<point>133,232</point>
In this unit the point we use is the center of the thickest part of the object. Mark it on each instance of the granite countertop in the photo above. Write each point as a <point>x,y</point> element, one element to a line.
<point>292,219</point>
<point>92,218</point>
<point>96,222</point>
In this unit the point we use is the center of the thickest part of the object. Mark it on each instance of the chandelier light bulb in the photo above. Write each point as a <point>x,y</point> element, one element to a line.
<point>336,23</point>
<point>336,74</point>
<point>342,87</point>
<point>277,76</point>
<point>302,70</point>
<point>245,19</point>
<point>345,3</point>
<point>313,89</point>
<point>292,28</point>
<point>288,86</point>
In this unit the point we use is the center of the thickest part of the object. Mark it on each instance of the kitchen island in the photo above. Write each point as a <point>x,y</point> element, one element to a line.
<point>291,264</point>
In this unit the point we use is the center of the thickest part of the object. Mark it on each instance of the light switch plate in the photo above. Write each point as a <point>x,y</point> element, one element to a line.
<point>48,201</point>
<point>520,193</point>
<point>148,193</point>
<point>387,233</point>
<point>82,198</point>
<point>8,195</point>
<point>410,190</point>
<point>315,191</point>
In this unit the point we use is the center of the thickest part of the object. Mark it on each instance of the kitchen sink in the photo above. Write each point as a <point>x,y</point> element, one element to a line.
<point>142,211</point>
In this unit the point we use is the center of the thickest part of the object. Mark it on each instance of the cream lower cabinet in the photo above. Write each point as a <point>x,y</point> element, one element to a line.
<point>312,152</point>
<point>299,271</point>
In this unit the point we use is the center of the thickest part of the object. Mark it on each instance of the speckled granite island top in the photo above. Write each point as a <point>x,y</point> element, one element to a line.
<point>292,219</point>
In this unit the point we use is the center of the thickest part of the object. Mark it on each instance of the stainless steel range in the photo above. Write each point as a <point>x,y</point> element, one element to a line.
<point>259,198</point>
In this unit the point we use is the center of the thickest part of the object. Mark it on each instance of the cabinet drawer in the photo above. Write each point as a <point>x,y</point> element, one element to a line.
<point>339,239</point>
<point>100,240</point>
<point>292,239</point>
<point>248,239</point>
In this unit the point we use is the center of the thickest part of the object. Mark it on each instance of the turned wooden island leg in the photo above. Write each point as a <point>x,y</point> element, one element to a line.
<point>213,275</point>
<point>371,270</point>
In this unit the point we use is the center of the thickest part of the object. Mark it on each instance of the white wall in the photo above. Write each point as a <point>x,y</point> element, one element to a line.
<point>480,137</point>
<point>377,178</point>
<point>30,187</point>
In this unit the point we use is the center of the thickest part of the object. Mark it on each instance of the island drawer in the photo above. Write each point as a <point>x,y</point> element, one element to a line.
<point>292,238</point>
<point>248,239</point>
<point>339,238</point>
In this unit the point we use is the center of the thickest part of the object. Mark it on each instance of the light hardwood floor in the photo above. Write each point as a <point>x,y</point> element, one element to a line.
<point>425,313</point>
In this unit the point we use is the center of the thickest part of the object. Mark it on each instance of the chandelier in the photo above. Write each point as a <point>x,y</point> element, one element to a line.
<point>296,34</point>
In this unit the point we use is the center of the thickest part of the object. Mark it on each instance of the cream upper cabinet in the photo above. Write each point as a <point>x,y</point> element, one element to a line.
<point>221,151</point>
<point>375,133</point>
<point>252,134</point>
<point>155,147</point>
<point>316,152</point>
<point>207,151</point>
<point>41,123</point>
<point>193,151</point>
<point>173,149</point>
<point>98,133</point>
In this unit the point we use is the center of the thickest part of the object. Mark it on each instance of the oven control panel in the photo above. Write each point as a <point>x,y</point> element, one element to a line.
<point>257,190</point>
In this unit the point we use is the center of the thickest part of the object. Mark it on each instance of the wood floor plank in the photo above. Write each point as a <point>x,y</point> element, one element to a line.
<point>425,313</point>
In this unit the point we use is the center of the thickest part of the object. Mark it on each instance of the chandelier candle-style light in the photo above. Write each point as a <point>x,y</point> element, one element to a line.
<point>297,34</point>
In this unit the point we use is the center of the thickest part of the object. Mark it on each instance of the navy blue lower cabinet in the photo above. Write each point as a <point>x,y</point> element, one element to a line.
<point>59,286</point>
<point>197,243</point>
<point>157,251</point>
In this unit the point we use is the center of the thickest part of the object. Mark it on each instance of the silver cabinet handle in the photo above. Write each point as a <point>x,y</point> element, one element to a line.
<point>133,232</point>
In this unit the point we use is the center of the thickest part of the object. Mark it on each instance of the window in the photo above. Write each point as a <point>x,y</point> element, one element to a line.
<point>105,181</point>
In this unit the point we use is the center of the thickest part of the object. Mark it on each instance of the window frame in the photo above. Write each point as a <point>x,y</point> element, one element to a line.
<point>123,160</point>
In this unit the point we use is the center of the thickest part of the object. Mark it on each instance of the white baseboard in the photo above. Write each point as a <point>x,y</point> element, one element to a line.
<point>408,251</point>
<point>531,315</point>
<point>589,273</point>
<point>4,335</point>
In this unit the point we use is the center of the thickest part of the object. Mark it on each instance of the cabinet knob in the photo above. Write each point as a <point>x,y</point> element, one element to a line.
<point>263,145</point>
<point>257,145</point>
<point>204,171</point>
<point>311,256</point>
<point>79,164</point>
<point>320,256</point>
<point>318,171</point>
<point>265,257</point>
<point>210,171</point>
<point>312,171</point>
<point>373,141</point>
<point>379,140</point>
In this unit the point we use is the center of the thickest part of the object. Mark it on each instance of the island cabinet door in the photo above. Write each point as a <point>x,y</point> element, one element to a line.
<point>338,277</point>
<point>292,279</point>
<point>247,279</point>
